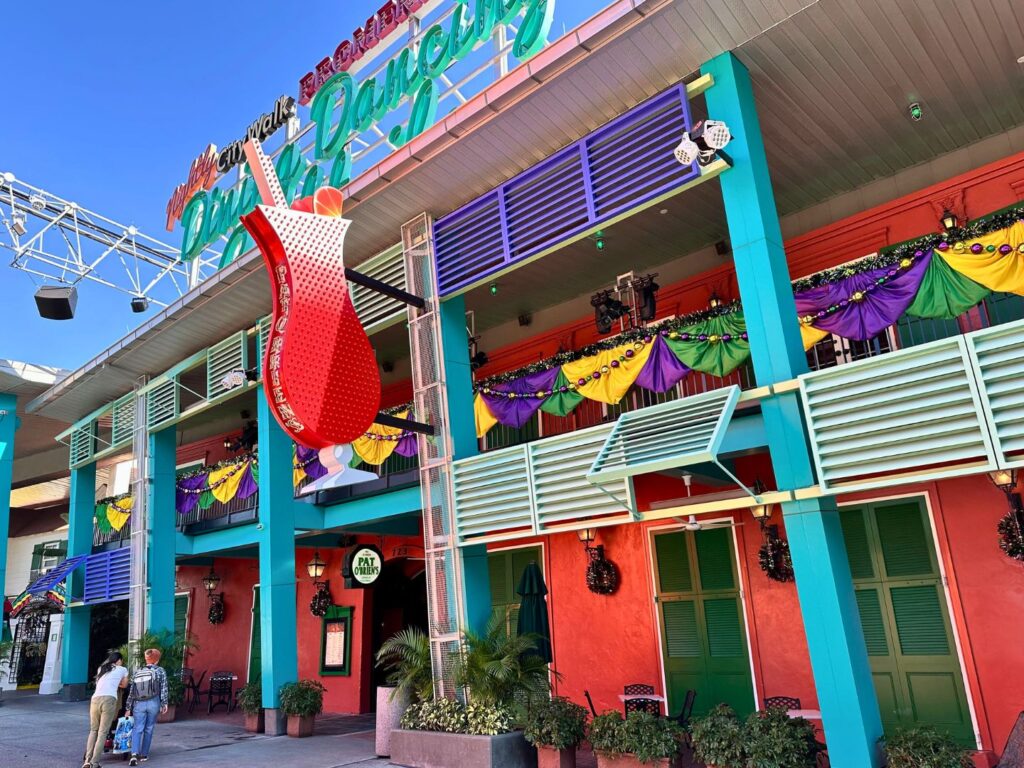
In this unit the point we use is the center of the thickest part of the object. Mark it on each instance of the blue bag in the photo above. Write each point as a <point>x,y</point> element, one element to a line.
<point>123,735</point>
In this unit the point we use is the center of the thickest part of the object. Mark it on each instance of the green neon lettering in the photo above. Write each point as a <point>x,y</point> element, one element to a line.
<point>192,226</point>
<point>328,142</point>
<point>509,10</point>
<point>429,63</point>
<point>364,104</point>
<point>462,36</point>
<point>485,19</point>
<point>341,171</point>
<point>533,31</point>
<point>423,111</point>
<point>290,167</point>
<point>314,178</point>
<point>237,244</point>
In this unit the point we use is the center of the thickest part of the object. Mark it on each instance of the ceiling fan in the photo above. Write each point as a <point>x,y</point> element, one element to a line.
<point>692,524</point>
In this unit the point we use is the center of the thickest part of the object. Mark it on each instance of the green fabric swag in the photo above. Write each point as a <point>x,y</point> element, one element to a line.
<point>944,292</point>
<point>561,403</point>
<point>719,358</point>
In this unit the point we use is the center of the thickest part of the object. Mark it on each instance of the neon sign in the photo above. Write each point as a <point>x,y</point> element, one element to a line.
<point>201,175</point>
<point>341,108</point>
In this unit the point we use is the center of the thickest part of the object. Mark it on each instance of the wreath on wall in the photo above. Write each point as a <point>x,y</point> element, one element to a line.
<point>1011,535</point>
<point>216,612</point>
<point>774,557</point>
<point>602,575</point>
<point>321,600</point>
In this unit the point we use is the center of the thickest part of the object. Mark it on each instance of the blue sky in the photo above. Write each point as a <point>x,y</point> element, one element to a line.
<point>106,104</point>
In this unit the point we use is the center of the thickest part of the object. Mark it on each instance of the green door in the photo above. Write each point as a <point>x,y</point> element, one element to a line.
<point>506,568</point>
<point>255,657</point>
<point>903,613</point>
<point>702,628</point>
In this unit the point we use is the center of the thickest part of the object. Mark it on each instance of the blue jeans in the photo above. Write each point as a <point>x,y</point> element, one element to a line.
<point>145,713</point>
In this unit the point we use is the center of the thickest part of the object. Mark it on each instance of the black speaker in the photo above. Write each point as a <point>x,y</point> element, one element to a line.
<point>57,302</point>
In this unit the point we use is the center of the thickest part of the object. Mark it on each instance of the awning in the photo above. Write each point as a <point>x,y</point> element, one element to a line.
<point>674,435</point>
<point>55,576</point>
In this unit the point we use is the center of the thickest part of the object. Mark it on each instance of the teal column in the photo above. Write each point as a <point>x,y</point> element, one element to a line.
<point>476,580</point>
<point>75,642</point>
<point>162,538</point>
<point>831,622</point>
<point>276,538</point>
<point>8,426</point>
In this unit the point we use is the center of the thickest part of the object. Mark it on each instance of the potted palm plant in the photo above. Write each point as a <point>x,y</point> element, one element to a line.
<point>406,659</point>
<point>717,739</point>
<point>556,727</point>
<point>250,700</point>
<point>173,649</point>
<point>639,740</point>
<point>302,701</point>
<point>925,747</point>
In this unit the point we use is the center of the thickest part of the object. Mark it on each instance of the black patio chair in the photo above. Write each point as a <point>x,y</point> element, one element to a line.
<point>640,704</point>
<point>590,701</point>
<point>221,685</point>
<point>782,702</point>
<point>683,718</point>
<point>193,691</point>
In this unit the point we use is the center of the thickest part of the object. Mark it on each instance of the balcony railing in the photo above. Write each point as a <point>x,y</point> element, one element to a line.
<point>830,352</point>
<point>217,515</point>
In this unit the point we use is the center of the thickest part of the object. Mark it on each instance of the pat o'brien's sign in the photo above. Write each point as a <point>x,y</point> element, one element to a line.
<point>341,108</point>
<point>362,566</point>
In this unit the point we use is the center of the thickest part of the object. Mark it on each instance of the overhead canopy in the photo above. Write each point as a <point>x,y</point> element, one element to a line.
<point>677,434</point>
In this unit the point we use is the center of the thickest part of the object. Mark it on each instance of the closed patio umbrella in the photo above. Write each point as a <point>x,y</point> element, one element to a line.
<point>533,610</point>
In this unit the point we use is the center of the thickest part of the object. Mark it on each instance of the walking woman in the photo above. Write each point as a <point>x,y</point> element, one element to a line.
<point>110,677</point>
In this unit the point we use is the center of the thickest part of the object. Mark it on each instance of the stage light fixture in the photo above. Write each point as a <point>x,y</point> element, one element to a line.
<point>606,310</point>
<point>703,142</point>
<point>647,289</point>
<point>139,304</point>
<point>18,223</point>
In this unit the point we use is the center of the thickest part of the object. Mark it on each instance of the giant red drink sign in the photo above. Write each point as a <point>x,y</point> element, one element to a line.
<point>319,370</point>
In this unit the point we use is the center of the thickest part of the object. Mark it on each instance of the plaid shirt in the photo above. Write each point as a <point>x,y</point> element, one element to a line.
<point>161,676</point>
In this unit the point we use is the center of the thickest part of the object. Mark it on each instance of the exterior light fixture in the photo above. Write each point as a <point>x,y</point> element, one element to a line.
<point>494,289</point>
<point>703,142</point>
<point>948,220</point>
<point>18,222</point>
<point>761,511</point>
<point>139,304</point>
<point>211,581</point>
<point>586,535</point>
<point>599,240</point>
<point>916,112</point>
<point>315,567</point>
<point>1004,479</point>
<point>714,302</point>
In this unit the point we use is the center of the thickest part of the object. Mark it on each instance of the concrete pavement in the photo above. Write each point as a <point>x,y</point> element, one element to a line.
<point>44,732</point>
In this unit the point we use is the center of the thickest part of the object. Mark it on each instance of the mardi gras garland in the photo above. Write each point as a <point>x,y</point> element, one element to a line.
<point>321,600</point>
<point>1011,535</point>
<point>774,558</point>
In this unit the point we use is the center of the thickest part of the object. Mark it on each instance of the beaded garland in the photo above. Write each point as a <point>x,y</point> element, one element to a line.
<point>238,463</point>
<point>774,558</point>
<point>640,337</point>
<point>857,296</point>
<point>321,600</point>
<point>216,612</point>
<point>952,240</point>
<point>602,575</point>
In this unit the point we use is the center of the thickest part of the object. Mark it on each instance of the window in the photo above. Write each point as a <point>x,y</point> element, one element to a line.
<point>52,555</point>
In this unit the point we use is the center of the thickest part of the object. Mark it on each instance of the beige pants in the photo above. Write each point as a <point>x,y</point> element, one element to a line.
<point>102,710</point>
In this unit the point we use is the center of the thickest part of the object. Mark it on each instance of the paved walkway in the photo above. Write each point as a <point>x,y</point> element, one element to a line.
<point>44,732</point>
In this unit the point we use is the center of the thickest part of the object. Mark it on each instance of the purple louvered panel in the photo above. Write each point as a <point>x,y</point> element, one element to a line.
<point>107,576</point>
<point>622,165</point>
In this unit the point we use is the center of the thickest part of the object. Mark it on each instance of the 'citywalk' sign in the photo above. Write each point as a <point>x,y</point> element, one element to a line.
<point>342,109</point>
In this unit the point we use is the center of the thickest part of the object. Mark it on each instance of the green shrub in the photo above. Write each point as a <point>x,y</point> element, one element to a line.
<point>488,720</point>
<point>445,715</point>
<point>303,698</point>
<point>173,651</point>
<point>557,723</point>
<point>925,747</point>
<point>406,657</point>
<point>642,734</point>
<point>773,739</point>
<point>250,698</point>
<point>718,738</point>
<point>498,668</point>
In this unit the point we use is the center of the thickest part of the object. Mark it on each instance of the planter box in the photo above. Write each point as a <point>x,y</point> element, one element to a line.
<point>549,757</point>
<point>631,761</point>
<point>389,713</point>
<point>430,749</point>
<point>255,723</point>
<point>169,715</point>
<point>300,727</point>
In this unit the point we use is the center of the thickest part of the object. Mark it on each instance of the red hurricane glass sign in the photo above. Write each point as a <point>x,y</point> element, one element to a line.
<point>319,370</point>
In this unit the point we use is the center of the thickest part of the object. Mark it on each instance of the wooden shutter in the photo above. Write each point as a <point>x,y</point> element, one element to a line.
<point>714,559</point>
<point>919,619</point>
<point>37,557</point>
<point>906,545</point>
<point>255,644</point>
<point>858,545</point>
<point>682,636</point>
<point>872,622</point>
<point>180,615</point>
<point>673,562</point>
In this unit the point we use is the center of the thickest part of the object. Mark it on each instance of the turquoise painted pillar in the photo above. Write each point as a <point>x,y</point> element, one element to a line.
<point>831,622</point>
<point>162,533</point>
<point>8,426</point>
<point>279,646</point>
<point>75,642</point>
<point>476,581</point>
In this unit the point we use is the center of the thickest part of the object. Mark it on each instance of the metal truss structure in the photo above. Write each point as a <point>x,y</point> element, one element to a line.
<point>64,244</point>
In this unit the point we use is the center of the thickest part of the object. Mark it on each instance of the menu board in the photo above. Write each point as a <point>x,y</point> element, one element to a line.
<point>334,643</point>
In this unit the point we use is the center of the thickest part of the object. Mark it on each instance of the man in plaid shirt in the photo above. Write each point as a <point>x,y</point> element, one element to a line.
<point>147,698</point>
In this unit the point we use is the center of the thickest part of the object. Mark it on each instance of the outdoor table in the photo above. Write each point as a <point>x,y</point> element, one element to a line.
<point>806,714</point>
<point>647,696</point>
